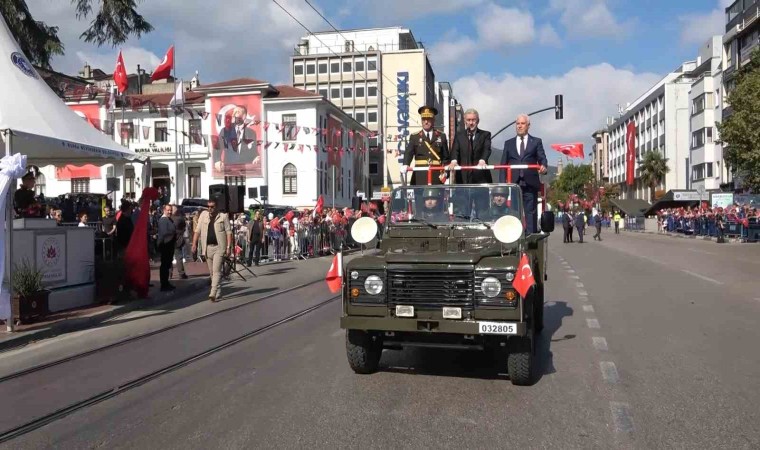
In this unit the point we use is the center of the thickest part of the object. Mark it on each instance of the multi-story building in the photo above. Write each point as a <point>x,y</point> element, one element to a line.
<point>706,156</point>
<point>741,39</point>
<point>600,154</point>
<point>449,111</point>
<point>661,120</point>
<point>378,76</point>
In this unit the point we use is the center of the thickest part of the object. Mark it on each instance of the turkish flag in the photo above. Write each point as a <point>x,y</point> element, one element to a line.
<point>137,275</point>
<point>320,205</point>
<point>571,150</point>
<point>164,70</point>
<point>120,75</point>
<point>524,279</point>
<point>630,156</point>
<point>334,276</point>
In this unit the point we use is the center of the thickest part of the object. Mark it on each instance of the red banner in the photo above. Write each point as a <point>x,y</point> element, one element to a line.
<point>570,150</point>
<point>630,156</point>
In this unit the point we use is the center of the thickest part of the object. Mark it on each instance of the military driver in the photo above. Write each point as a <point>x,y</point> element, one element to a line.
<point>499,206</point>
<point>432,209</point>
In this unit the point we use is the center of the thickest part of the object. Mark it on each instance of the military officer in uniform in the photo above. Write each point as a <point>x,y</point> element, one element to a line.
<point>429,147</point>
<point>499,206</point>
<point>432,206</point>
<point>24,197</point>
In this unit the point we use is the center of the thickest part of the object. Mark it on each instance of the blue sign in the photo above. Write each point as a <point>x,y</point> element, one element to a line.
<point>402,89</point>
<point>19,61</point>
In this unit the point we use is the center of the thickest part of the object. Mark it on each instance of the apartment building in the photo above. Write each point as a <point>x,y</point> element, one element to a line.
<point>600,155</point>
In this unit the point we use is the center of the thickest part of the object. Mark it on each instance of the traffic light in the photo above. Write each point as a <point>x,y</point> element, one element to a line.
<point>558,107</point>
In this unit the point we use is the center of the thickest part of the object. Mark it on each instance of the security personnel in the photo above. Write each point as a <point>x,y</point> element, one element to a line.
<point>499,206</point>
<point>429,147</point>
<point>432,205</point>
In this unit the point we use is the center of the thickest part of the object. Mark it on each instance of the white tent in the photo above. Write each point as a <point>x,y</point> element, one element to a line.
<point>43,127</point>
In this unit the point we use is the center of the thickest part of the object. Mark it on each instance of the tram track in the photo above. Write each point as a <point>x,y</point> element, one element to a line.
<point>46,419</point>
<point>138,337</point>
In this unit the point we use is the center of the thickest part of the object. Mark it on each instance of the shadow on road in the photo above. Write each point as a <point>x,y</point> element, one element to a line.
<point>554,313</point>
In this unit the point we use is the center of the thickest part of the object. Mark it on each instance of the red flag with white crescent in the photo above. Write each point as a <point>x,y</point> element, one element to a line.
<point>524,279</point>
<point>164,70</point>
<point>570,150</point>
<point>120,74</point>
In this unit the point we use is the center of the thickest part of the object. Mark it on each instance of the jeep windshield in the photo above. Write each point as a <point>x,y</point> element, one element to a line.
<point>453,205</point>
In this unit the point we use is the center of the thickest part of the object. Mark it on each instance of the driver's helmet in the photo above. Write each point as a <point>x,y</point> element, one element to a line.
<point>432,193</point>
<point>500,190</point>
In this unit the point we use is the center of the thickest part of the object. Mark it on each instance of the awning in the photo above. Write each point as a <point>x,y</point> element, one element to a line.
<point>677,198</point>
<point>634,207</point>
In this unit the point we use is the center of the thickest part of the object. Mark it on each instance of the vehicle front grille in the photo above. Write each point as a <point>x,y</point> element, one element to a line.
<point>431,288</point>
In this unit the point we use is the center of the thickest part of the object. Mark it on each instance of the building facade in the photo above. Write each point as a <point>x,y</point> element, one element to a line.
<point>291,144</point>
<point>660,119</point>
<point>600,154</point>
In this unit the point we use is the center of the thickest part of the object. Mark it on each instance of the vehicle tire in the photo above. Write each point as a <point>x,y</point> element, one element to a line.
<point>520,362</point>
<point>363,351</point>
<point>538,302</point>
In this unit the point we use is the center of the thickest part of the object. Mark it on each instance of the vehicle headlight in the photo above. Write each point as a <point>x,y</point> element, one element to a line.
<point>373,285</point>
<point>510,276</point>
<point>490,287</point>
<point>354,275</point>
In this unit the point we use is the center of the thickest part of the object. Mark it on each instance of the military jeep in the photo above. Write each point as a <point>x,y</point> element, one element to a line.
<point>443,278</point>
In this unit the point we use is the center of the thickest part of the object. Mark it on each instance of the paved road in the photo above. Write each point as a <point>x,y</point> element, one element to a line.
<point>649,343</point>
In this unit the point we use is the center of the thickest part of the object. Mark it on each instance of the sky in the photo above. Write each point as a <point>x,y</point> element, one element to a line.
<point>502,57</point>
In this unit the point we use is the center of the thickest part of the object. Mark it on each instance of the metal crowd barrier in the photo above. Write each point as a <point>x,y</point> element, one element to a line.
<point>708,227</point>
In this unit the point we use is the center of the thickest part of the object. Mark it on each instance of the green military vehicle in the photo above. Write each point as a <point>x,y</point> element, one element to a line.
<point>444,275</point>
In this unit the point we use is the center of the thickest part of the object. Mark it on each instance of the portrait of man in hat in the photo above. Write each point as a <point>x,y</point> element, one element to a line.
<point>429,147</point>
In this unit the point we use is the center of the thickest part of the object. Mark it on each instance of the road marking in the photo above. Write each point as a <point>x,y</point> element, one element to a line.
<point>570,270</point>
<point>583,298</point>
<point>609,372</point>
<point>578,284</point>
<point>621,416</point>
<point>339,333</point>
<point>575,277</point>
<point>694,274</point>
<point>583,293</point>
<point>600,343</point>
<point>588,308</point>
<point>592,323</point>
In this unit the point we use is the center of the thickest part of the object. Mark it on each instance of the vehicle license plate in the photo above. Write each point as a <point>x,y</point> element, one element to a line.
<point>497,328</point>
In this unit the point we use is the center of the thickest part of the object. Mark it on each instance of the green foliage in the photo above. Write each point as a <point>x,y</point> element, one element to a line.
<point>574,179</point>
<point>740,132</point>
<point>26,279</point>
<point>654,167</point>
<point>114,22</point>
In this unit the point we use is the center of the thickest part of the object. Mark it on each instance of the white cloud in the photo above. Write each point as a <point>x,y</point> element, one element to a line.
<point>548,36</point>
<point>394,12</point>
<point>591,93</point>
<point>696,28</point>
<point>457,51</point>
<point>106,62</point>
<point>590,18</point>
<point>499,26</point>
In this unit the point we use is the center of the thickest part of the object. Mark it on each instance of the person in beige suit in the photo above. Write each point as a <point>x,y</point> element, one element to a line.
<point>215,236</point>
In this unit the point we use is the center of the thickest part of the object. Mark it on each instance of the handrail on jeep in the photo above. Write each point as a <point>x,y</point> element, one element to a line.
<point>507,167</point>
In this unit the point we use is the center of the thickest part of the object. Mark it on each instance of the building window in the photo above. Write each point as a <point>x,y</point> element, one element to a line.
<point>347,92</point>
<point>80,185</point>
<point>289,127</point>
<point>709,167</point>
<point>334,93</point>
<point>323,92</point>
<point>360,117</point>
<point>312,88</point>
<point>359,65</point>
<point>162,134</point>
<point>289,179</point>
<point>196,134</point>
<point>127,133</point>
<point>374,168</point>
<point>322,67</point>
<point>39,187</point>
<point>346,66</point>
<point>334,67</point>
<point>372,64</point>
<point>194,182</point>
<point>129,182</point>
<point>359,91</point>
<point>310,69</point>
<point>372,90</point>
<point>298,69</point>
<point>350,112</point>
<point>372,116</point>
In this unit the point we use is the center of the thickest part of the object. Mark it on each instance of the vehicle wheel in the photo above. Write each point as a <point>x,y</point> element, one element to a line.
<point>363,351</point>
<point>539,313</point>
<point>520,362</point>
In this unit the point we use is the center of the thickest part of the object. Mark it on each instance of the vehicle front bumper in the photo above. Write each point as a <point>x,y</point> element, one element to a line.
<point>420,325</point>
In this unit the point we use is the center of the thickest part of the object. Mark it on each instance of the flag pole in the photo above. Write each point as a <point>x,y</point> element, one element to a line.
<point>176,137</point>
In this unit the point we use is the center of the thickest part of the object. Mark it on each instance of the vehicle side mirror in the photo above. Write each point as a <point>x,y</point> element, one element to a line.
<point>547,221</point>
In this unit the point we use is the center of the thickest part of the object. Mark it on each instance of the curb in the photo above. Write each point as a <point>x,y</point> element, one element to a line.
<point>683,236</point>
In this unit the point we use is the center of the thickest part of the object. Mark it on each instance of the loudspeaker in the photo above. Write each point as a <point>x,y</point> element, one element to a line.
<point>356,203</point>
<point>253,192</point>
<point>220,193</point>
<point>237,199</point>
<point>113,184</point>
<point>264,191</point>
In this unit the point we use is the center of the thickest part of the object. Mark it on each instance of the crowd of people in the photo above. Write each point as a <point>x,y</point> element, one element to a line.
<point>734,220</point>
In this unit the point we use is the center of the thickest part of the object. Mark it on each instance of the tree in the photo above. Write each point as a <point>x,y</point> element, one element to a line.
<point>114,23</point>
<point>740,132</point>
<point>574,179</point>
<point>653,168</point>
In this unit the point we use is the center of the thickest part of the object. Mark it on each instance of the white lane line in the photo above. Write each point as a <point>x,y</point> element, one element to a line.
<point>621,417</point>
<point>609,372</point>
<point>583,298</point>
<point>575,277</point>
<point>578,284</point>
<point>592,323</point>
<point>694,274</point>
<point>570,270</point>
<point>700,251</point>
<point>583,293</point>
<point>588,308</point>
<point>339,333</point>
<point>600,343</point>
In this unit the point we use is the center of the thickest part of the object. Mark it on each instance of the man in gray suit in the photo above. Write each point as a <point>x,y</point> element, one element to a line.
<point>525,149</point>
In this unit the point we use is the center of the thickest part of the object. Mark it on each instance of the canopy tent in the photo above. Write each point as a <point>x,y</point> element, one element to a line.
<point>42,127</point>
<point>676,198</point>
<point>633,207</point>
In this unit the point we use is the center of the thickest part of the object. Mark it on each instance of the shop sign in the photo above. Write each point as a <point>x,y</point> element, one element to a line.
<point>154,149</point>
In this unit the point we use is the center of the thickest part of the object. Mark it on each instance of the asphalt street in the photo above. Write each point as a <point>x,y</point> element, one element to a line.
<point>650,342</point>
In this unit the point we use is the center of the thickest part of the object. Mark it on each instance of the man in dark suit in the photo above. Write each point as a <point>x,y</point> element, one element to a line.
<point>525,149</point>
<point>429,147</point>
<point>580,225</point>
<point>471,147</point>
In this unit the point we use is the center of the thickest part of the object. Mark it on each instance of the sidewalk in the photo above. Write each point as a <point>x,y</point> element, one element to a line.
<point>188,293</point>
<point>685,236</point>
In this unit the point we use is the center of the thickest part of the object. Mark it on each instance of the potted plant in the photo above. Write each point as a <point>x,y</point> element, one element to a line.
<point>30,298</point>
